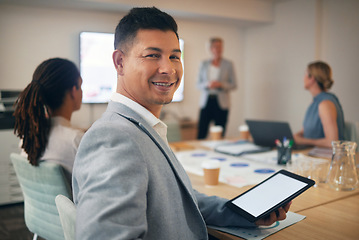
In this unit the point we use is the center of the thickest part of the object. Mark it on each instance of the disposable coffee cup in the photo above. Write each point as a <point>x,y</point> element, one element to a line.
<point>216,132</point>
<point>211,170</point>
<point>243,132</point>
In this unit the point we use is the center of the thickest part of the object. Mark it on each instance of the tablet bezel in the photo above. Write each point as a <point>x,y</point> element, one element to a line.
<point>309,183</point>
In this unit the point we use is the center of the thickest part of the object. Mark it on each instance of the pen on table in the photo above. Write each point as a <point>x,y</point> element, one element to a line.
<point>291,143</point>
<point>280,150</point>
<point>285,142</point>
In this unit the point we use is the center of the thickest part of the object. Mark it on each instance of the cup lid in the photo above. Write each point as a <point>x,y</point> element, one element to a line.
<point>211,164</point>
<point>216,128</point>
<point>243,128</point>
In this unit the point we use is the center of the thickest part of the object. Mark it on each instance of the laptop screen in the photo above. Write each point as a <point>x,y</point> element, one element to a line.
<point>264,133</point>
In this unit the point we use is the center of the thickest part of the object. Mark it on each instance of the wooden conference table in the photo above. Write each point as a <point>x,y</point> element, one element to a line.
<point>329,214</point>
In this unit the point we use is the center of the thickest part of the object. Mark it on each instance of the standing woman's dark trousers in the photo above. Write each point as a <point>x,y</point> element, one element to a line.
<point>211,111</point>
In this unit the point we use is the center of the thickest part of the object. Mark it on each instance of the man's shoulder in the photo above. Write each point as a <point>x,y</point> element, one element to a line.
<point>110,120</point>
<point>116,112</point>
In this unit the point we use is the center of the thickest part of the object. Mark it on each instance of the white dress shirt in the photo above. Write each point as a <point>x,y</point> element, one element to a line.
<point>159,126</point>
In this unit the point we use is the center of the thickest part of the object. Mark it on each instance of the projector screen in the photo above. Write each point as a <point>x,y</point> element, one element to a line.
<point>97,70</point>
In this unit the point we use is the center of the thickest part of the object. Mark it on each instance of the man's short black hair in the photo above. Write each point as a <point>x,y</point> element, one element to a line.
<point>142,18</point>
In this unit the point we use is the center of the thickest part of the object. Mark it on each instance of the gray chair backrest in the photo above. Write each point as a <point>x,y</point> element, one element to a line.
<point>40,185</point>
<point>67,212</point>
<point>350,132</point>
<point>173,131</point>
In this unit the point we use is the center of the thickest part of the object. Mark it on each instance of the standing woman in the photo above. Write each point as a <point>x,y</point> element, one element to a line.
<point>324,119</point>
<point>216,78</point>
<point>43,114</point>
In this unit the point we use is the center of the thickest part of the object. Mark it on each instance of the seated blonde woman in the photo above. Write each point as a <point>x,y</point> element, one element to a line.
<point>324,119</point>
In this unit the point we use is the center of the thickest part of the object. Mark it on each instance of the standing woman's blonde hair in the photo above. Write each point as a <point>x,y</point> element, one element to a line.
<point>44,94</point>
<point>215,39</point>
<point>322,74</point>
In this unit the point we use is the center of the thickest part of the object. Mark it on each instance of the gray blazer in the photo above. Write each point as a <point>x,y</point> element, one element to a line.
<point>128,184</point>
<point>226,77</point>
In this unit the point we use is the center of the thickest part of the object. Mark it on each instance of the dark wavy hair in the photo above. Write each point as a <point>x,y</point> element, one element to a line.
<point>142,18</point>
<point>45,93</point>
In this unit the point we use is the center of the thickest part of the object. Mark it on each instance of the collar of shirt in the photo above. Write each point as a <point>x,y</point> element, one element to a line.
<point>159,126</point>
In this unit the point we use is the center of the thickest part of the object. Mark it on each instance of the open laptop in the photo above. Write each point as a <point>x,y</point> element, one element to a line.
<point>264,133</point>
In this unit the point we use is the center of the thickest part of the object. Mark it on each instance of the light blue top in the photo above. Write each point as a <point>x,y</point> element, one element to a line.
<point>312,124</point>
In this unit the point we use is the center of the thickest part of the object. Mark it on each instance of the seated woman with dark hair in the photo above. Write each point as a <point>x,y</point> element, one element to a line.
<point>43,114</point>
<point>324,119</point>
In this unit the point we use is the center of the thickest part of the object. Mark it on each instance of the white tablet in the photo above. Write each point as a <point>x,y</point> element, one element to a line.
<point>269,195</point>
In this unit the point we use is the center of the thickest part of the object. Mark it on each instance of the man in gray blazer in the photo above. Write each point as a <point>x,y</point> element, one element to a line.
<point>127,183</point>
<point>216,79</point>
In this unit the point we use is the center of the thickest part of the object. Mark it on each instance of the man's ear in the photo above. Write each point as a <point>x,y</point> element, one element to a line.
<point>118,60</point>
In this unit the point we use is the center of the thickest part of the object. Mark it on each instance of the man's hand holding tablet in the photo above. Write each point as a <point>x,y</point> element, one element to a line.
<point>269,201</point>
<point>277,215</point>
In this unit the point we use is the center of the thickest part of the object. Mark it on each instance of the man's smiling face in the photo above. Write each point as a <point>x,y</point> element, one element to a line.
<point>150,69</point>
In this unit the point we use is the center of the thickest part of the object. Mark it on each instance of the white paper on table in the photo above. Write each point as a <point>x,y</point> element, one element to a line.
<point>263,231</point>
<point>212,144</point>
<point>265,157</point>
<point>241,175</point>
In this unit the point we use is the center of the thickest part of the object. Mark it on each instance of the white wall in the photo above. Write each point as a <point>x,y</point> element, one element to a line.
<point>30,35</point>
<point>276,57</point>
<point>340,47</point>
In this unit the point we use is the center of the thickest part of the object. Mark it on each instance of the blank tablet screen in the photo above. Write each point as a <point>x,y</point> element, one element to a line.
<point>265,197</point>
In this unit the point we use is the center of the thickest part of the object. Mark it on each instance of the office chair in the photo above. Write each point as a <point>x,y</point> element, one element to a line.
<point>40,185</point>
<point>173,131</point>
<point>350,132</point>
<point>67,212</point>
